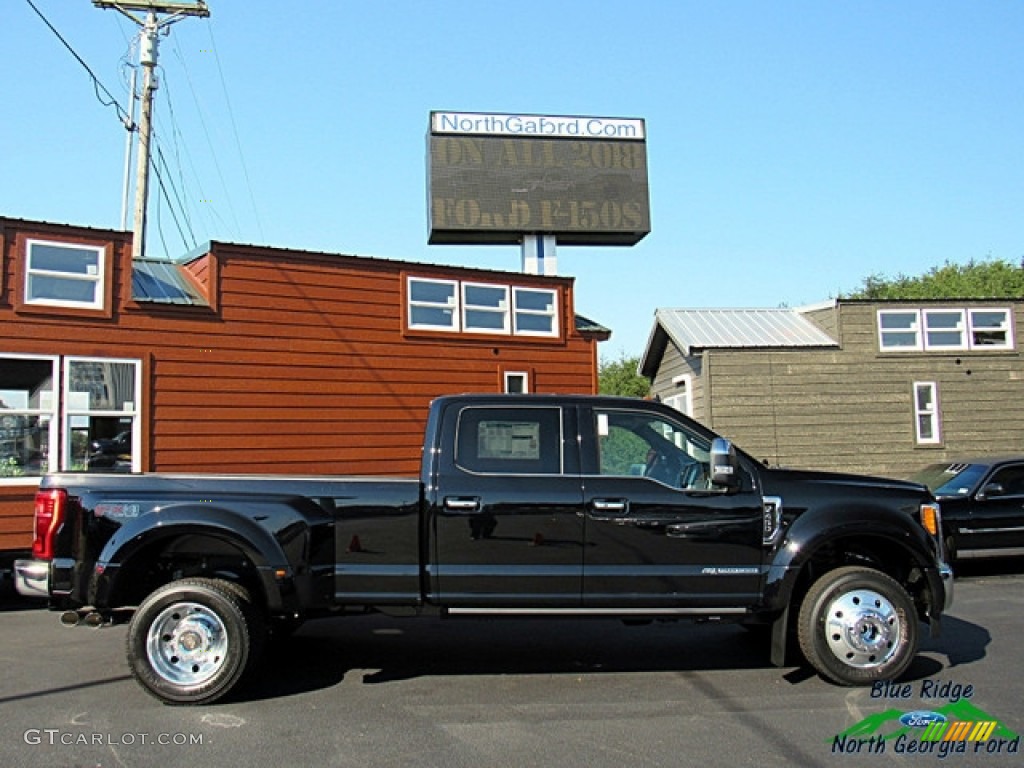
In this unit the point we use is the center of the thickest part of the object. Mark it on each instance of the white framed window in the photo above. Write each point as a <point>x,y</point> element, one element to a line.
<point>485,308</point>
<point>534,312</point>
<point>64,275</point>
<point>899,329</point>
<point>682,398</point>
<point>990,328</point>
<point>28,417</point>
<point>433,304</point>
<point>101,415</point>
<point>516,382</point>
<point>944,329</point>
<point>491,308</point>
<point>926,413</point>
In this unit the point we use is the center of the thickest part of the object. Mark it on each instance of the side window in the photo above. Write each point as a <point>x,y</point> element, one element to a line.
<point>62,275</point>
<point>990,329</point>
<point>899,330</point>
<point>433,304</point>
<point>513,441</point>
<point>101,415</point>
<point>28,406</point>
<point>86,419</point>
<point>516,382</point>
<point>485,308</point>
<point>641,445</point>
<point>1011,479</point>
<point>944,329</point>
<point>535,312</point>
<point>926,413</point>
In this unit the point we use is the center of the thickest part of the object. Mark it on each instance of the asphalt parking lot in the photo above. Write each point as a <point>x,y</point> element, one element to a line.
<point>375,691</point>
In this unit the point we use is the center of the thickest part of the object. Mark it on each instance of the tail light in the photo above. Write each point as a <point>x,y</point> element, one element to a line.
<point>51,506</point>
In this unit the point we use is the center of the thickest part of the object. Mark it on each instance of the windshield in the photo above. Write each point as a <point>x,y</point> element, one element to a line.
<point>951,479</point>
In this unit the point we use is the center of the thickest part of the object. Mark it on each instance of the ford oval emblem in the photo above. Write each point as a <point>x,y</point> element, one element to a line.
<point>921,718</point>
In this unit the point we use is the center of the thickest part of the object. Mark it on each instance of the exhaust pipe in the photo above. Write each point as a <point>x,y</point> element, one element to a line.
<point>86,616</point>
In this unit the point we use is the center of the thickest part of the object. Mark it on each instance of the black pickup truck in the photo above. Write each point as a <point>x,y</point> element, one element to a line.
<point>533,505</point>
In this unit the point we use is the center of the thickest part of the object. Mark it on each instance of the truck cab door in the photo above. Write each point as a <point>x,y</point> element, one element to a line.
<point>505,513</point>
<point>997,513</point>
<point>658,534</point>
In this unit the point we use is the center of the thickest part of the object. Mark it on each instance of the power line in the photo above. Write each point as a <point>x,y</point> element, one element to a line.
<point>214,154</point>
<point>176,151</point>
<point>234,129</point>
<point>96,84</point>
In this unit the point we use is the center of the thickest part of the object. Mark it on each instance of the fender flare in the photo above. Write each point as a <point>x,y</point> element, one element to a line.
<point>256,543</point>
<point>816,529</point>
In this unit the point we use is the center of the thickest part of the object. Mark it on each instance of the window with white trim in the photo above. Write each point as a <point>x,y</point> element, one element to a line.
<point>945,329</point>
<point>517,382</point>
<point>899,329</point>
<point>63,275</point>
<point>534,311</point>
<point>90,422</point>
<point>470,307</point>
<point>433,304</point>
<point>28,411</point>
<point>682,398</point>
<point>101,415</point>
<point>990,328</point>
<point>485,308</point>
<point>926,413</point>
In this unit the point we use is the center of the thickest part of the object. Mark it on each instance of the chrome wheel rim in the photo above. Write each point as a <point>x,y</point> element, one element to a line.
<point>863,628</point>
<point>187,644</point>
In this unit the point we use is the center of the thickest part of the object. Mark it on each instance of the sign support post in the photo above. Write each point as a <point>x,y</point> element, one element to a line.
<point>539,255</point>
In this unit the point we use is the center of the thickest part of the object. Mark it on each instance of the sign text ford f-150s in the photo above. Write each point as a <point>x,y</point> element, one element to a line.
<point>532,505</point>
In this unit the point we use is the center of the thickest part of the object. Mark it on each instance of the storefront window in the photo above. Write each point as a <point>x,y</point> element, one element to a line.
<point>27,409</point>
<point>101,413</point>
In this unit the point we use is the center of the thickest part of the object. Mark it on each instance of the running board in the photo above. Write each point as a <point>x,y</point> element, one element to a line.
<point>596,611</point>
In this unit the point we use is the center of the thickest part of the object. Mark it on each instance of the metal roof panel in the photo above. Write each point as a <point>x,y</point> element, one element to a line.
<point>693,329</point>
<point>162,282</point>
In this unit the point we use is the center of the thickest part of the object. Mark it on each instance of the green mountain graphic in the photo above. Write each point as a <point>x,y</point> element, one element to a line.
<point>959,710</point>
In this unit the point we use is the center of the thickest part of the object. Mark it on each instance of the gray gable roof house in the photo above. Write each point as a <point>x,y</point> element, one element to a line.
<point>880,387</point>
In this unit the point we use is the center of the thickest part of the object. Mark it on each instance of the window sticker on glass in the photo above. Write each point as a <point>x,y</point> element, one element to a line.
<point>509,440</point>
<point>602,425</point>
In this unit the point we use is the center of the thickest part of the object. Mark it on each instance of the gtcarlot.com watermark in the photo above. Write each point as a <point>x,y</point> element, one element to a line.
<point>55,737</point>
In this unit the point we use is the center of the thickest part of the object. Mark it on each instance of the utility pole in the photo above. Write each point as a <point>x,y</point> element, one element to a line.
<point>151,26</point>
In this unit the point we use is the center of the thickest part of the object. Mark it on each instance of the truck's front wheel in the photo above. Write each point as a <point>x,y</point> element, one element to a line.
<point>857,625</point>
<point>190,641</point>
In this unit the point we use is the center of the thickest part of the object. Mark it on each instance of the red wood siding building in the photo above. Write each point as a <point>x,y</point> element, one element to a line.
<point>246,359</point>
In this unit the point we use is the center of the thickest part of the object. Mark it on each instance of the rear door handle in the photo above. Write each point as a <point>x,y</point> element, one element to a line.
<point>462,504</point>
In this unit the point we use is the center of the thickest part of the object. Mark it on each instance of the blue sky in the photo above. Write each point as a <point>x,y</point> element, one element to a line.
<point>794,148</point>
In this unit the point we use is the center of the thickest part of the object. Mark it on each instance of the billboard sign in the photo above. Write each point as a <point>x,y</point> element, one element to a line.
<point>495,177</point>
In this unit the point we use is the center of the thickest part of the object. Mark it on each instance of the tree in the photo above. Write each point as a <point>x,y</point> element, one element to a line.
<point>620,377</point>
<point>995,279</point>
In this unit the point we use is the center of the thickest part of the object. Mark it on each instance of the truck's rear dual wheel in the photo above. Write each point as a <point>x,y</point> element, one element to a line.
<point>191,640</point>
<point>857,625</point>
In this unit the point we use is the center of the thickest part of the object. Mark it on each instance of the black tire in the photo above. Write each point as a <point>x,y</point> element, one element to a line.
<point>191,641</point>
<point>254,618</point>
<point>857,626</point>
